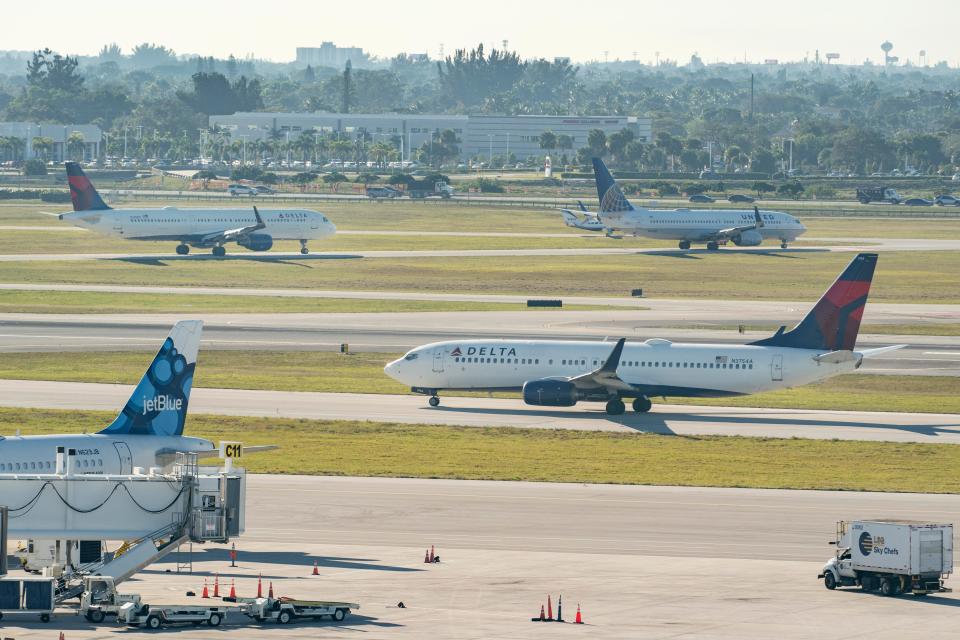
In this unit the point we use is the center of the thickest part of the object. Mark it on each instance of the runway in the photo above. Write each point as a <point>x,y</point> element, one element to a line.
<point>494,412</point>
<point>882,244</point>
<point>642,562</point>
<point>394,332</point>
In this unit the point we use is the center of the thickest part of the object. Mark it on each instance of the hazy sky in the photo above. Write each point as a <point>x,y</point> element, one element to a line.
<point>717,29</point>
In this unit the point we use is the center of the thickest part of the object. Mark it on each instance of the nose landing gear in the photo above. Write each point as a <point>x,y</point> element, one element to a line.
<point>434,401</point>
<point>303,248</point>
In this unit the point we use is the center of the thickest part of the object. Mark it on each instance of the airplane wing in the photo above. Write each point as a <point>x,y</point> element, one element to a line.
<point>232,235</point>
<point>606,376</point>
<point>729,232</point>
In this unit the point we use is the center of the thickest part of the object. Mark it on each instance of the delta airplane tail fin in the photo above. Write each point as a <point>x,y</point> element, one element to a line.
<point>833,323</point>
<point>82,192</point>
<point>611,197</point>
<point>158,406</point>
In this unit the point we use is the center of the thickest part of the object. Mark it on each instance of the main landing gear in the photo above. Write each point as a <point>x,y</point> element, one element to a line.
<point>303,247</point>
<point>434,401</point>
<point>783,245</point>
<point>219,251</point>
<point>615,407</point>
<point>684,244</point>
<point>642,404</point>
<point>183,249</point>
<point>712,246</point>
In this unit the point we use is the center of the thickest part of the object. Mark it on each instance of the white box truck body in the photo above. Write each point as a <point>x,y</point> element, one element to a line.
<point>893,556</point>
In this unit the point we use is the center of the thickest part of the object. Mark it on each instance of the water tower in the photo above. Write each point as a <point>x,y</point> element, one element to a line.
<point>887,46</point>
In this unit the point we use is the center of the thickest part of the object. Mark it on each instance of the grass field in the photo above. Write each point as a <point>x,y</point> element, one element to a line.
<point>919,277</point>
<point>94,302</point>
<point>420,451</point>
<point>363,373</point>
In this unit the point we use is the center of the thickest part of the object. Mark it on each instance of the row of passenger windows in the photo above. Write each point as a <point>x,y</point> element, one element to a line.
<point>627,363</point>
<point>46,465</point>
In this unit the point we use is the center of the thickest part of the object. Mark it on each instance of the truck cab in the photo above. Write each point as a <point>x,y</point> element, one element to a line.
<point>100,598</point>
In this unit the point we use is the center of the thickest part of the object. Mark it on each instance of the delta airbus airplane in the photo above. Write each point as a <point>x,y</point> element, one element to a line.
<point>712,226</point>
<point>556,373</point>
<point>148,432</point>
<point>193,227</point>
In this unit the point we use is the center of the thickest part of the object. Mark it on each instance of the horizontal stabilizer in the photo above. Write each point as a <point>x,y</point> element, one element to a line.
<point>837,357</point>
<point>869,353</point>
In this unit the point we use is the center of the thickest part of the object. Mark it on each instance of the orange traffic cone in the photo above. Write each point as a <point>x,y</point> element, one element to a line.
<point>431,553</point>
<point>549,609</point>
<point>542,618</point>
<point>205,594</point>
<point>216,585</point>
<point>270,593</point>
<point>315,571</point>
<point>233,590</point>
<point>579,619</point>
<point>426,556</point>
<point>62,637</point>
<point>260,586</point>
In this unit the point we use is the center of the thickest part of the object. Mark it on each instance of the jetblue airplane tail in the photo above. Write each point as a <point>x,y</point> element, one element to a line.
<point>611,197</point>
<point>158,406</point>
<point>833,323</point>
<point>82,193</point>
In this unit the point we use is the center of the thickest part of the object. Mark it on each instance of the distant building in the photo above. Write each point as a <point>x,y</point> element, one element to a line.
<point>479,135</point>
<point>58,133</point>
<point>330,55</point>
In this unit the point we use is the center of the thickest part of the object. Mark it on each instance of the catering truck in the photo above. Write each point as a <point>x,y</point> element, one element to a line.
<point>891,556</point>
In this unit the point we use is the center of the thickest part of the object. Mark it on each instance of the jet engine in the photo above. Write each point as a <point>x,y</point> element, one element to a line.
<point>550,393</point>
<point>256,242</point>
<point>749,238</point>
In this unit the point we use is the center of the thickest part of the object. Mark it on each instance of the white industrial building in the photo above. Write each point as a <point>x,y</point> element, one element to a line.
<point>330,55</point>
<point>27,132</point>
<point>480,135</point>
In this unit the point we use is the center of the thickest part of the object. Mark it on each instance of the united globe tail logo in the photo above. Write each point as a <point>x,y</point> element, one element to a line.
<point>866,543</point>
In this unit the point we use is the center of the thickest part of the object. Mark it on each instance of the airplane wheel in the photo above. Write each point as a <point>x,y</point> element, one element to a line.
<point>219,252</point>
<point>304,251</point>
<point>712,246</point>
<point>684,244</point>
<point>615,407</point>
<point>642,405</point>
<point>182,249</point>
<point>434,401</point>
<point>783,245</point>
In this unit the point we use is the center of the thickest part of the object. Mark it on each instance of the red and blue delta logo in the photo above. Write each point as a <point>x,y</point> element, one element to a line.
<point>456,352</point>
<point>865,543</point>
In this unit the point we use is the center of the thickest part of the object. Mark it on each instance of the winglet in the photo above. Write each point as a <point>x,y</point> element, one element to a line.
<point>614,360</point>
<point>757,218</point>
<point>260,223</point>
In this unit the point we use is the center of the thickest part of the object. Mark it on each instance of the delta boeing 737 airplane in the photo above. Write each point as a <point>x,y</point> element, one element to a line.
<point>711,226</point>
<point>557,373</point>
<point>193,227</point>
<point>148,432</point>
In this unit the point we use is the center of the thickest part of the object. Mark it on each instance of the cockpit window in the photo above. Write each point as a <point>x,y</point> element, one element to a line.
<point>411,356</point>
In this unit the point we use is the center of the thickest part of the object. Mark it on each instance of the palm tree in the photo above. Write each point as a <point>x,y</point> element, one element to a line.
<point>42,146</point>
<point>76,145</point>
<point>548,141</point>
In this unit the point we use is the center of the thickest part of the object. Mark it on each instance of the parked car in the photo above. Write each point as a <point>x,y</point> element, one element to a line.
<point>918,202</point>
<point>701,197</point>
<point>264,190</point>
<point>947,200</point>
<point>241,190</point>
<point>739,197</point>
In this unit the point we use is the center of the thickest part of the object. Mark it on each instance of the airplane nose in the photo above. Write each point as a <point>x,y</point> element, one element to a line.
<point>393,370</point>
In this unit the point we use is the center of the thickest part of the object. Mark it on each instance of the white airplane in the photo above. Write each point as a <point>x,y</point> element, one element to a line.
<point>558,373</point>
<point>193,227</point>
<point>148,432</point>
<point>712,226</point>
<point>589,222</point>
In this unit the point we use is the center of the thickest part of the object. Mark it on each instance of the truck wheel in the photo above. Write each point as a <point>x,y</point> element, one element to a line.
<point>829,581</point>
<point>95,616</point>
<point>867,583</point>
<point>214,620</point>
<point>284,617</point>
<point>153,622</point>
<point>888,587</point>
<point>339,615</point>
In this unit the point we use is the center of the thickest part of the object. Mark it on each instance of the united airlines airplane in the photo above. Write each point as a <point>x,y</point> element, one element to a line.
<point>712,226</point>
<point>148,432</point>
<point>558,373</point>
<point>193,227</point>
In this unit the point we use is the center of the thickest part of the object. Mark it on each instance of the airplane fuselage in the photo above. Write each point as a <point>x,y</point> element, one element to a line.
<point>699,225</point>
<point>192,225</point>
<point>654,368</point>
<point>96,453</point>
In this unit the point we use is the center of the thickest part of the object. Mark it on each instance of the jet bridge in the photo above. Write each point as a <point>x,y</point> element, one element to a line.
<point>152,512</point>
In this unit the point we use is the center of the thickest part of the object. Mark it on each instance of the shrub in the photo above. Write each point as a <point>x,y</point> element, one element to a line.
<point>35,167</point>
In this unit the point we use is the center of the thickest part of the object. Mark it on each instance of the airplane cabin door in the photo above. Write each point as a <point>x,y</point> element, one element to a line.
<point>438,361</point>
<point>126,458</point>
<point>776,368</point>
